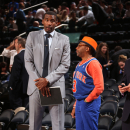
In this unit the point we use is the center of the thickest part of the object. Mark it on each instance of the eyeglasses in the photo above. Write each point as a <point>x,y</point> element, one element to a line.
<point>81,45</point>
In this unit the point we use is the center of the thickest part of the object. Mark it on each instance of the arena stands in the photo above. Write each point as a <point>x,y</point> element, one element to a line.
<point>115,32</point>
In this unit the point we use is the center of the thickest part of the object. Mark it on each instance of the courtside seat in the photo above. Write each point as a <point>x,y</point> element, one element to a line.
<point>7,115</point>
<point>110,82</point>
<point>47,121</point>
<point>69,121</point>
<point>109,108</point>
<point>117,125</point>
<point>106,93</point>
<point>20,117</point>
<point>70,107</point>
<point>105,122</point>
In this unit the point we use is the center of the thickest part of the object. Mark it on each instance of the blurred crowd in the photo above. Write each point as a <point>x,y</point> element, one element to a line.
<point>78,15</point>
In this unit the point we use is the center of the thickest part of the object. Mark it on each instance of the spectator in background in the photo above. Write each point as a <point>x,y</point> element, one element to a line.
<point>99,14</point>
<point>102,55</point>
<point>33,17</point>
<point>109,12</point>
<point>103,4</point>
<point>20,18</point>
<point>35,27</point>
<point>6,22</point>
<point>64,7</point>
<point>13,26</point>
<point>87,19</point>
<point>127,13</point>
<point>3,71</point>
<point>13,7</point>
<point>81,14</point>
<point>19,77</point>
<point>120,10</point>
<point>73,7</point>
<point>126,92</point>
<point>121,62</point>
<point>64,17</point>
<point>29,17</point>
<point>10,52</point>
<point>1,22</point>
<point>40,13</point>
<point>72,22</point>
<point>114,68</point>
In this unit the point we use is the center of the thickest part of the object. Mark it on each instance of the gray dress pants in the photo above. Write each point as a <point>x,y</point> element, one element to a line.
<point>36,113</point>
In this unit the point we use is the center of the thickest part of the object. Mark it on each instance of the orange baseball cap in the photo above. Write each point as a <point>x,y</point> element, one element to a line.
<point>89,41</point>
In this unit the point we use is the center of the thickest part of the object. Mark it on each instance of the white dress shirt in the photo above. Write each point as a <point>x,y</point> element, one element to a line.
<point>50,38</point>
<point>10,54</point>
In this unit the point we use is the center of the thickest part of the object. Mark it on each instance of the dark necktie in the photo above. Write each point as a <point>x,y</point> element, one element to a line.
<point>46,56</point>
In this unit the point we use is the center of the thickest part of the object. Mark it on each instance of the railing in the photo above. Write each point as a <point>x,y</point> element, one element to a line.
<point>33,6</point>
<point>43,26</point>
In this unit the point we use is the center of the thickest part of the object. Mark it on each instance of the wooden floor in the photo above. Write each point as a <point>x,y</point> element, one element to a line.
<point>25,127</point>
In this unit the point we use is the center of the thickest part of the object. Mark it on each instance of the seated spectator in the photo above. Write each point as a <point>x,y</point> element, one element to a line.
<point>127,13</point>
<point>1,22</point>
<point>10,52</point>
<point>40,13</point>
<point>13,26</point>
<point>103,4</point>
<point>13,7</point>
<point>33,17</point>
<point>102,55</point>
<point>29,17</point>
<point>20,18</point>
<point>109,12</point>
<point>81,14</point>
<point>87,19</point>
<point>35,27</point>
<point>99,14</point>
<point>64,17</point>
<point>3,71</point>
<point>6,22</point>
<point>121,62</point>
<point>120,10</point>
<point>114,68</point>
<point>72,21</point>
<point>64,7</point>
<point>73,7</point>
<point>81,4</point>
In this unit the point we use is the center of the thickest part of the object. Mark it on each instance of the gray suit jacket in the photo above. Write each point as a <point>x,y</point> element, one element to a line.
<point>59,59</point>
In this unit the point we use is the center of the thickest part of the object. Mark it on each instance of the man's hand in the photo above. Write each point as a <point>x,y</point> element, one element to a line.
<point>73,113</point>
<point>41,83</point>
<point>46,91</point>
<point>11,47</point>
<point>124,89</point>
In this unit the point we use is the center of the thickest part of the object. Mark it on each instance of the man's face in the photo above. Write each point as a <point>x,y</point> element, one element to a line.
<point>16,45</point>
<point>81,49</point>
<point>49,23</point>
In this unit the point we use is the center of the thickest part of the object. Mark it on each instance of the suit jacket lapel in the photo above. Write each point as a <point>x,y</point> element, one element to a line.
<point>53,45</point>
<point>41,41</point>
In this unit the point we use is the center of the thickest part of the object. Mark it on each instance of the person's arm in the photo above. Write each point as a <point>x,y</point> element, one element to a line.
<point>94,69</point>
<point>29,59</point>
<point>7,51</point>
<point>63,65</point>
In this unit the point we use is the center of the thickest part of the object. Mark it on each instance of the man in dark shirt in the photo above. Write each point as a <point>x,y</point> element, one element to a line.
<point>99,14</point>
<point>19,77</point>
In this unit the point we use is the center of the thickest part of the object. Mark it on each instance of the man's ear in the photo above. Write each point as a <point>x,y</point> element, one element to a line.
<point>43,21</point>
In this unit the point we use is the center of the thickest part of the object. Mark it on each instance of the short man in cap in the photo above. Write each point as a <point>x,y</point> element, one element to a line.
<point>88,84</point>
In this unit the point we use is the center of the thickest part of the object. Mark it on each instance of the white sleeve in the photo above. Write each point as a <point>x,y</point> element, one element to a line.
<point>6,53</point>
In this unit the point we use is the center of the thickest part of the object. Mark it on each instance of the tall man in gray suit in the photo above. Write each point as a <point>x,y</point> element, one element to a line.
<point>47,59</point>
